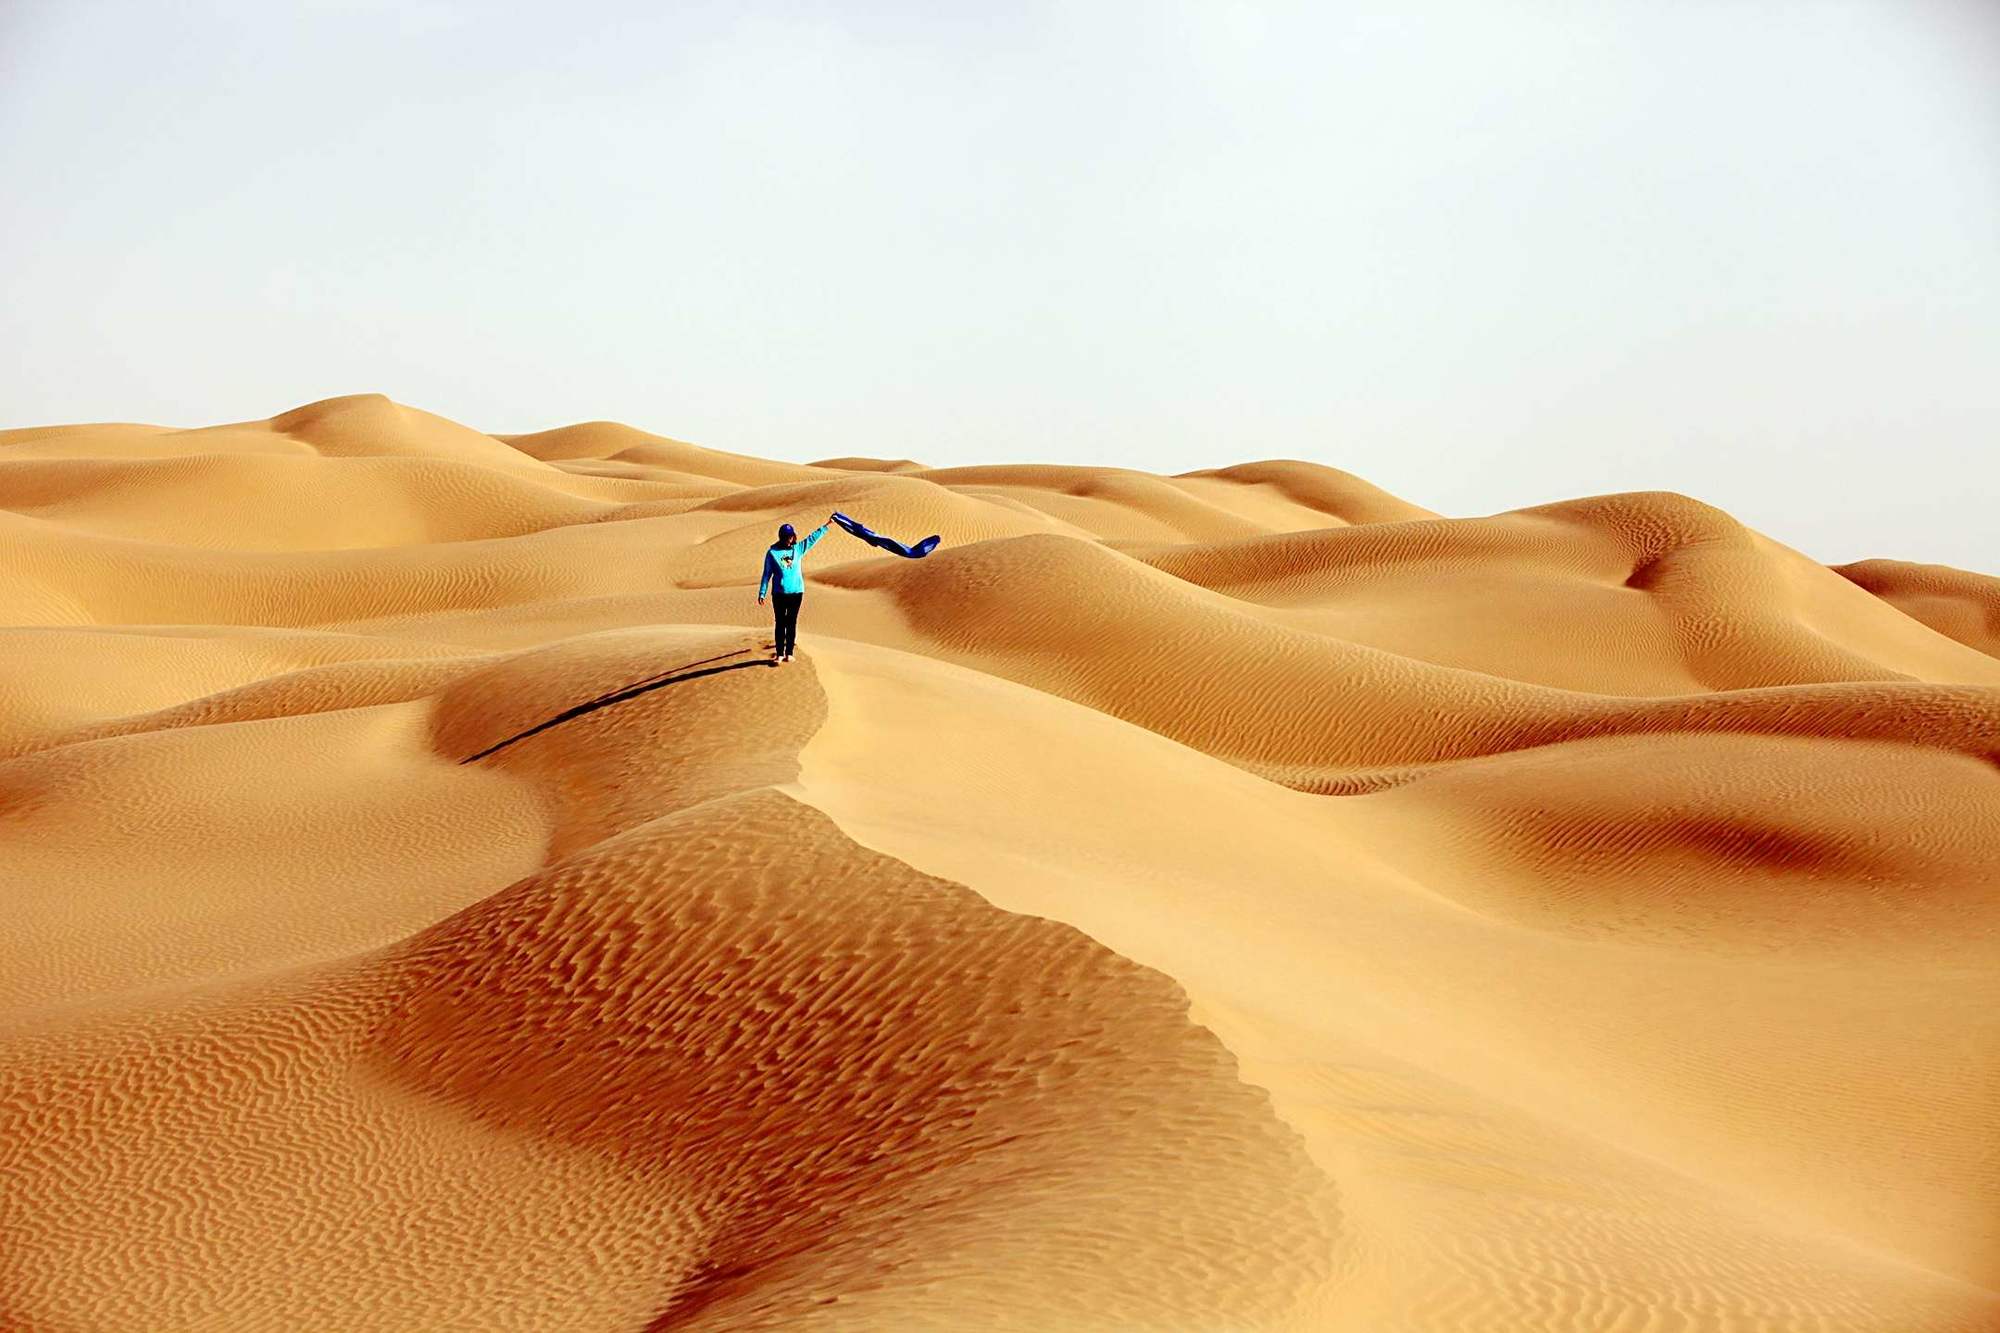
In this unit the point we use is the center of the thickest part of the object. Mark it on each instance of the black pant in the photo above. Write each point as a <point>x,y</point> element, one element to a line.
<point>785,607</point>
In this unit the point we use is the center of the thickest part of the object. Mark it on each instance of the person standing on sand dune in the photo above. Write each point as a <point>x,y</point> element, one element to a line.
<point>785,562</point>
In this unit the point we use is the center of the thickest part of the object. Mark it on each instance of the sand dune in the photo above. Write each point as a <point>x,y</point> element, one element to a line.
<point>1241,900</point>
<point>1954,602</point>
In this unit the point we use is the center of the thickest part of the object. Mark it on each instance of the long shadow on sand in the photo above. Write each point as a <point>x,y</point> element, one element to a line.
<point>620,695</point>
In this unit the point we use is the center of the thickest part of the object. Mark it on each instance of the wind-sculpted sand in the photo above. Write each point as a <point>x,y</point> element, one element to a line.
<point>1234,901</point>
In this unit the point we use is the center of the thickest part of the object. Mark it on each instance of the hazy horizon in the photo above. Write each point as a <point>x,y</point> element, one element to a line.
<point>1484,255</point>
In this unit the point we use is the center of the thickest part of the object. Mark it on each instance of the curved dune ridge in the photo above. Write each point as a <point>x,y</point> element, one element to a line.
<point>1231,901</point>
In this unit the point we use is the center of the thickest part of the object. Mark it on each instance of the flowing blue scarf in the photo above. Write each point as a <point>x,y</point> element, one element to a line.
<point>917,552</point>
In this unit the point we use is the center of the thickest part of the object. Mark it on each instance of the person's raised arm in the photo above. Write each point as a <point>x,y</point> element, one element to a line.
<point>812,537</point>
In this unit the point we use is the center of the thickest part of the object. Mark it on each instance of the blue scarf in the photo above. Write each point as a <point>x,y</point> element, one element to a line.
<point>917,552</point>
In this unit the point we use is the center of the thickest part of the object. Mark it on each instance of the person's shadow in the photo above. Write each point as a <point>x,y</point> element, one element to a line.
<point>620,695</point>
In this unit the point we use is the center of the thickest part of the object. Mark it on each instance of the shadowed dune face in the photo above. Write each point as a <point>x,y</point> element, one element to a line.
<point>852,1076</point>
<point>1241,900</point>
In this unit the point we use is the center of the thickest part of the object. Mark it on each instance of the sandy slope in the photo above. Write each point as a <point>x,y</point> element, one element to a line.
<point>1242,900</point>
<point>1953,602</point>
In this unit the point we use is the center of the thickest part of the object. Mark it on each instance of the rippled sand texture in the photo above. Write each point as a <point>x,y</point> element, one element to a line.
<point>1234,901</point>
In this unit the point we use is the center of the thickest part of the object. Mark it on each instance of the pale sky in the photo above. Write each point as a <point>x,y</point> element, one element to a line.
<point>1484,253</point>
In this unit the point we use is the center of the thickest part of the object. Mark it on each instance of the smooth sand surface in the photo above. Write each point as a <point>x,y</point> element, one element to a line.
<point>1234,901</point>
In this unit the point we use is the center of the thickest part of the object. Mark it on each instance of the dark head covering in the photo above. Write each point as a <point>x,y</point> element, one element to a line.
<point>787,534</point>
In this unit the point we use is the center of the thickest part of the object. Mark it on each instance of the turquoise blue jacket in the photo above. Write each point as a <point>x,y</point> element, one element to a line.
<point>786,564</point>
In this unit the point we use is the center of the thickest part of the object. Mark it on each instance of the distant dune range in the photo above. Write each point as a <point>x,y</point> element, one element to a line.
<point>1238,900</point>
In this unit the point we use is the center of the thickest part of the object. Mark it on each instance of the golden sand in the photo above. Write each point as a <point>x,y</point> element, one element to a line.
<point>1239,900</point>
